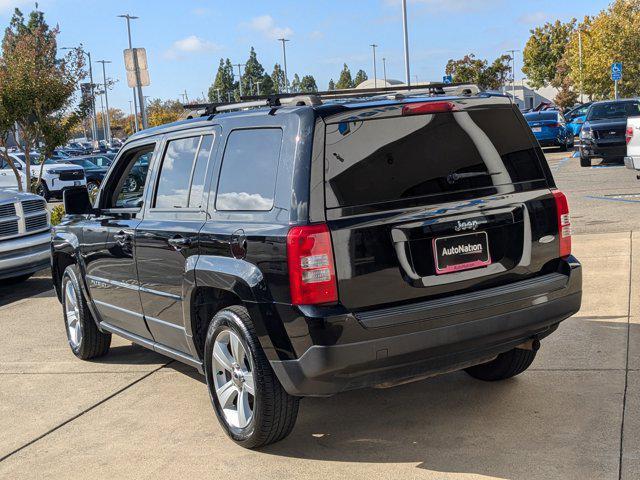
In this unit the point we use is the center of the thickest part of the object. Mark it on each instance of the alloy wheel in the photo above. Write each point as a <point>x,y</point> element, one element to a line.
<point>233,379</point>
<point>72,315</point>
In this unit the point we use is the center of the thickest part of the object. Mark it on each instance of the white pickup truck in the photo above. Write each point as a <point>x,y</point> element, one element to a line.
<point>632,160</point>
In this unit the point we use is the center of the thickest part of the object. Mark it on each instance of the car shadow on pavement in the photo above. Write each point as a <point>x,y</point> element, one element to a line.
<point>131,354</point>
<point>527,427</point>
<point>38,285</point>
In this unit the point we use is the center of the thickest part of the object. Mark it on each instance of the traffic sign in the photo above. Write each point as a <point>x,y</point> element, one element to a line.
<point>447,79</point>
<point>616,71</point>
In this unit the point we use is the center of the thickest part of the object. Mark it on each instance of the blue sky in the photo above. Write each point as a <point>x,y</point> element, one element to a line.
<point>186,38</point>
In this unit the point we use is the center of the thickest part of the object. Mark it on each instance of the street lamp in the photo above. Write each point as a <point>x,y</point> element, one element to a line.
<point>384,69</point>
<point>580,61</point>
<point>284,57</point>
<point>106,99</point>
<point>513,74</point>
<point>240,65</point>
<point>143,113</point>
<point>375,76</point>
<point>94,121</point>
<point>405,31</point>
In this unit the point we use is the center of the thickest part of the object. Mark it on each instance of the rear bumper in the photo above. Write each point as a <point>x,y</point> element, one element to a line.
<point>460,339</point>
<point>632,162</point>
<point>24,255</point>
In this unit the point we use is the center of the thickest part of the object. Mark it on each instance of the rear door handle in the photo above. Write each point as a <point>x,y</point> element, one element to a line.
<point>178,242</point>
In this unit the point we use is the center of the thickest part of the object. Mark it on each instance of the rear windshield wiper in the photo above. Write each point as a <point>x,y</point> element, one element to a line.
<point>454,177</point>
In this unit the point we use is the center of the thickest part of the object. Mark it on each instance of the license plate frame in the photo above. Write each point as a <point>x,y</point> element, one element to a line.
<point>472,251</point>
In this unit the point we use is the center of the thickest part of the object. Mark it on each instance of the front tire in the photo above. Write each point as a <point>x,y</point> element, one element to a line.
<point>585,162</point>
<point>248,399</point>
<point>43,191</point>
<point>506,365</point>
<point>85,340</point>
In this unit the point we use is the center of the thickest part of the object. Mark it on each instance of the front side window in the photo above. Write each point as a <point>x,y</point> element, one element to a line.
<point>130,187</point>
<point>249,170</point>
<point>182,175</point>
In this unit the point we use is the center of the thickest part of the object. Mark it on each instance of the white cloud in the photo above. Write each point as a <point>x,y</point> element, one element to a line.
<point>316,35</point>
<point>188,45</point>
<point>243,201</point>
<point>266,25</point>
<point>533,18</point>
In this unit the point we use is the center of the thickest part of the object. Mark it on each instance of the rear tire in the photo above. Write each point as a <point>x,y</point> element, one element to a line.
<point>85,340</point>
<point>270,412</point>
<point>505,365</point>
<point>43,191</point>
<point>585,162</point>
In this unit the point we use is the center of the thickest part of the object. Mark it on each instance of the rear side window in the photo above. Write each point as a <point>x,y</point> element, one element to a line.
<point>249,170</point>
<point>182,174</point>
<point>537,117</point>
<point>382,160</point>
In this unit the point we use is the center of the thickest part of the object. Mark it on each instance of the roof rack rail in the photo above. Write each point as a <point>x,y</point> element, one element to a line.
<point>315,98</point>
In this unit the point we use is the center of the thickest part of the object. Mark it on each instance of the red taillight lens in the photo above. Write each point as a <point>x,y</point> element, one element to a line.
<point>428,107</point>
<point>564,223</point>
<point>628,134</point>
<point>312,274</point>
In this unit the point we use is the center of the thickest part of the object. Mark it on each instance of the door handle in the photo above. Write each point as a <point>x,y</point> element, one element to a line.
<point>178,242</point>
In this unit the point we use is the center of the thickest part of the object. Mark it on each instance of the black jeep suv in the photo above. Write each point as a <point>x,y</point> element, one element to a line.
<point>310,246</point>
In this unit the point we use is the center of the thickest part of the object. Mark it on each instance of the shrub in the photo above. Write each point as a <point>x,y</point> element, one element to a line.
<point>56,214</point>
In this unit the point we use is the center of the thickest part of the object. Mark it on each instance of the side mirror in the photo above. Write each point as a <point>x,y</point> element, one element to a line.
<point>76,201</point>
<point>580,120</point>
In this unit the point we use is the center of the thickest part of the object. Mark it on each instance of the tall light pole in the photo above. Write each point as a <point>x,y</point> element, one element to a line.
<point>133,119</point>
<point>218,93</point>
<point>258,82</point>
<point>384,70</point>
<point>405,30</point>
<point>284,58</point>
<point>513,74</point>
<point>106,99</point>
<point>239,65</point>
<point>143,113</point>
<point>94,121</point>
<point>580,62</point>
<point>104,124</point>
<point>375,75</point>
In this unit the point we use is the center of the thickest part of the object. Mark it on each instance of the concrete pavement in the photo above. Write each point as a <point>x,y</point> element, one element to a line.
<point>134,414</point>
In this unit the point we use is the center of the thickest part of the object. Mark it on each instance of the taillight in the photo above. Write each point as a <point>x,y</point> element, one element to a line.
<point>564,223</point>
<point>428,107</point>
<point>628,134</point>
<point>312,274</point>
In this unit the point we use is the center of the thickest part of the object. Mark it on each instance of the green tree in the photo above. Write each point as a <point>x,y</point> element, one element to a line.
<point>332,85</point>
<point>567,95</point>
<point>470,69</point>
<point>544,49</point>
<point>361,76</point>
<point>308,84</point>
<point>266,85</point>
<point>611,36</point>
<point>253,73</point>
<point>345,80</point>
<point>38,88</point>
<point>295,83</point>
<point>278,79</point>
<point>223,82</point>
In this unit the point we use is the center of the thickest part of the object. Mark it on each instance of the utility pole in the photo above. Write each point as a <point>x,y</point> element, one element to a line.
<point>229,96</point>
<point>375,75</point>
<point>218,93</point>
<point>405,31</point>
<point>258,82</point>
<point>240,65</point>
<point>133,119</point>
<point>106,99</point>
<point>104,124</point>
<point>143,113</point>
<point>94,119</point>
<point>186,97</point>
<point>284,58</point>
<point>384,69</point>
<point>513,74</point>
<point>580,62</point>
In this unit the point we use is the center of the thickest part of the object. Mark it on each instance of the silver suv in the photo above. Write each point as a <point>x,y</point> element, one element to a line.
<point>24,235</point>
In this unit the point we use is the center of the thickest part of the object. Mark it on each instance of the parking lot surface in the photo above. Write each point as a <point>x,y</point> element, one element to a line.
<point>134,414</point>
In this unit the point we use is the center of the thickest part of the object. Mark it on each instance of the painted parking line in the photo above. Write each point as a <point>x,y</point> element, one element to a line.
<point>607,166</point>
<point>576,154</point>
<point>611,199</point>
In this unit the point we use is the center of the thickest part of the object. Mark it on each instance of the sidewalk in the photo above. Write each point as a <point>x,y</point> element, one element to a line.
<point>135,415</point>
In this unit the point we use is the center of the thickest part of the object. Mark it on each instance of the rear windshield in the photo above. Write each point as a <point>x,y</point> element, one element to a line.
<point>540,116</point>
<point>382,160</point>
<point>604,111</point>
